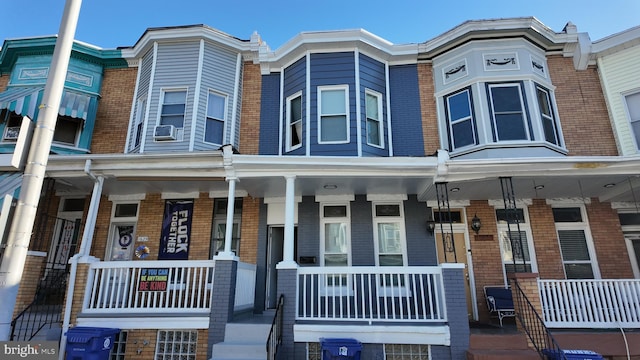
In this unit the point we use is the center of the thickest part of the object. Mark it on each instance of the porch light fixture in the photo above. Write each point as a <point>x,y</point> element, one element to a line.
<point>609,185</point>
<point>331,186</point>
<point>455,189</point>
<point>538,187</point>
<point>476,224</point>
<point>431,226</point>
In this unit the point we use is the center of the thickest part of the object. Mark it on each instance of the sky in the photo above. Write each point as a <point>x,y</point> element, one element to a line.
<point>110,24</point>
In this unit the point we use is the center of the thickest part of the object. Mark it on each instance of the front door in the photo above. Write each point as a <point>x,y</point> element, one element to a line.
<point>457,242</point>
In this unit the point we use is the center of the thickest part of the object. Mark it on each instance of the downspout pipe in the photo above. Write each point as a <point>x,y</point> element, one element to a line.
<point>83,253</point>
<point>15,255</point>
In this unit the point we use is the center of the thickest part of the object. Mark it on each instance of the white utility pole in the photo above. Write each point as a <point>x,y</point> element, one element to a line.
<point>19,237</point>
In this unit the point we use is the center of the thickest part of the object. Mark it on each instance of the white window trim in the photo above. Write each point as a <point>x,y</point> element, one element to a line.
<point>163,91</point>
<point>630,231</point>
<point>390,290</point>
<point>627,113</point>
<point>224,117</point>
<point>347,114</point>
<point>380,119</point>
<point>115,221</point>
<point>331,289</point>
<point>141,110</point>
<point>584,225</point>
<point>524,227</point>
<point>492,112</point>
<point>288,135</point>
<point>449,123</point>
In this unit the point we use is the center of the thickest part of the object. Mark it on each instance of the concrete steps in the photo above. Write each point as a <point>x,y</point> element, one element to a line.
<point>244,340</point>
<point>499,347</point>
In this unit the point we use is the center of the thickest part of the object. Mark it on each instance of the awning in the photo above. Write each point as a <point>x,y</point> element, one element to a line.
<point>10,182</point>
<point>25,100</point>
<point>22,100</point>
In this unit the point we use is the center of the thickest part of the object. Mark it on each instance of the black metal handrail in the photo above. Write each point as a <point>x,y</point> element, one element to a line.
<point>533,325</point>
<point>274,340</point>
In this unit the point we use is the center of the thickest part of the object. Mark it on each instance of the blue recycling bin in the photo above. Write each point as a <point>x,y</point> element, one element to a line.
<point>572,354</point>
<point>90,343</point>
<point>340,349</point>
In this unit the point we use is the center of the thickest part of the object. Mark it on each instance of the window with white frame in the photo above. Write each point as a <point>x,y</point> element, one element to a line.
<point>333,105</point>
<point>176,344</point>
<point>140,111</point>
<point>633,109</point>
<point>516,245</point>
<point>374,118</point>
<point>214,126</point>
<point>549,124</point>
<point>335,232</point>
<point>294,120</point>
<point>460,122</point>
<point>124,217</point>
<point>173,108</point>
<point>630,222</point>
<point>389,238</point>
<point>219,228</point>
<point>508,117</point>
<point>575,243</point>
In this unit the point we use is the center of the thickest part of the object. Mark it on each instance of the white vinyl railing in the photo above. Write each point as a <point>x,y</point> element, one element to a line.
<point>371,293</point>
<point>590,303</point>
<point>144,286</point>
<point>245,286</point>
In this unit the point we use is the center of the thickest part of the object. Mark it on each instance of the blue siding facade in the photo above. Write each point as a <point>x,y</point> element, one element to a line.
<point>372,77</point>
<point>333,69</point>
<point>295,78</point>
<point>406,125</point>
<point>269,117</point>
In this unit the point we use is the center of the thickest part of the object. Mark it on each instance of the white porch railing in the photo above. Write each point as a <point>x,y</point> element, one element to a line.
<point>370,293</point>
<point>143,286</point>
<point>245,286</point>
<point>590,303</point>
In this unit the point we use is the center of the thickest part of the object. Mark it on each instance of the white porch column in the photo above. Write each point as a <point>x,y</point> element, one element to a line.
<point>289,222</point>
<point>228,235</point>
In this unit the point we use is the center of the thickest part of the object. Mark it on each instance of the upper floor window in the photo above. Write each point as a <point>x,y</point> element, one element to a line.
<point>374,118</point>
<point>140,111</point>
<point>460,123</point>
<point>549,125</point>
<point>294,121</point>
<point>214,128</point>
<point>333,115</point>
<point>67,130</point>
<point>12,125</point>
<point>633,108</point>
<point>173,108</point>
<point>507,112</point>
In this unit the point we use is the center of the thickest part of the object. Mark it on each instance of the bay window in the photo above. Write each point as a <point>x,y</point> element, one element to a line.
<point>460,122</point>
<point>507,112</point>
<point>333,115</point>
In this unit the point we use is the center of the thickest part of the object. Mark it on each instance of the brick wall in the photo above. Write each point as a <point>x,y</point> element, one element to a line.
<point>545,237</point>
<point>582,109</point>
<point>485,250</point>
<point>249,231</point>
<point>428,109</point>
<point>114,109</point>
<point>608,240</point>
<point>32,272</point>
<point>250,122</point>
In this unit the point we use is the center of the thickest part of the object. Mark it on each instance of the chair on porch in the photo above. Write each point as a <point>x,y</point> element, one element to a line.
<point>499,301</point>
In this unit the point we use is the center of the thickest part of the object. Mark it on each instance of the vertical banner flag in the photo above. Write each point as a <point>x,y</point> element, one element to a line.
<point>176,230</point>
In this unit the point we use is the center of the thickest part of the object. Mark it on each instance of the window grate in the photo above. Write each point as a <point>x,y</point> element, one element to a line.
<point>119,346</point>
<point>176,345</point>
<point>406,352</point>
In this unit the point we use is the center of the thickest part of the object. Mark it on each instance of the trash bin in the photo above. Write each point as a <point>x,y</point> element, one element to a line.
<point>340,349</point>
<point>90,343</point>
<point>572,355</point>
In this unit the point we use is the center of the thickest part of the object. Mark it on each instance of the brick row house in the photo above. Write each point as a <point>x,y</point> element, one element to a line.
<point>208,195</point>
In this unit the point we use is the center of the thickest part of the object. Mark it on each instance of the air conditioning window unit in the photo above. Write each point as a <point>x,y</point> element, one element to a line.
<point>164,132</point>
<point>12,133</point>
